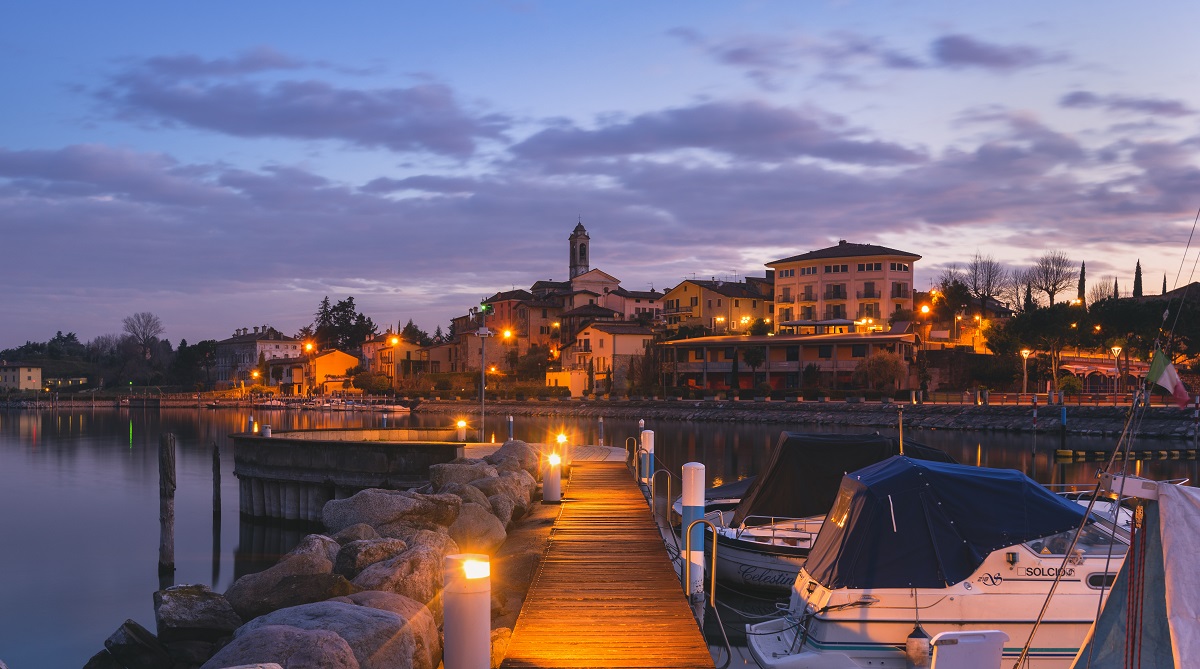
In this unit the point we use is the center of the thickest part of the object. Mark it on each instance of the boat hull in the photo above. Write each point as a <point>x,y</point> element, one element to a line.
<point>756,565</point>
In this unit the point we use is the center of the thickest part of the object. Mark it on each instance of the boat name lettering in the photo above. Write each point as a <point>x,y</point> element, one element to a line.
<point>1049,571</point>
<point>759,575</point>
<point>991,579</point>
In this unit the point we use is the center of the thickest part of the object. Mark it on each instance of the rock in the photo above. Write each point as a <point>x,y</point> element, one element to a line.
<point>101,660</point>
<point>378,638</point>
<point>246,592</point>
<point>317,544</point>
<point>191,652</point>
<point>193,612</point>
<point>357,532</point>
<point>502,508</point>
<point>508,464</point>
<point>500,638</point>
<point>290,647</point>
<point>405,530</point>
<point>420,620</point>
<point>300,589</point>
<point>477,530</point>
<point>358,555</point>
<point>528,456</point>
<point>416,573</point>
<point>462,470</point>
<point>468,493</point>
<point>134,647</point>
<point>377,507</point>
<point>515,485</point>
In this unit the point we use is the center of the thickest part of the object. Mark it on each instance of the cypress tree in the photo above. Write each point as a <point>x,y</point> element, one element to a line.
<point>1116,291</point>
<point>1082,281</point>
<point>1028,305</point>
<point>1137,280</point>
<point>1164,283</point>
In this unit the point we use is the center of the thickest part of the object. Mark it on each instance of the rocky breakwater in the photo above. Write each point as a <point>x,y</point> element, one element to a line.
<point>365,595</point>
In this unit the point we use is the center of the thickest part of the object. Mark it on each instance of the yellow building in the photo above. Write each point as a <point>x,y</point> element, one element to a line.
<point>604,351</point>
<point>841,284</point>
<point>16,376</point>
<point>724,307</point>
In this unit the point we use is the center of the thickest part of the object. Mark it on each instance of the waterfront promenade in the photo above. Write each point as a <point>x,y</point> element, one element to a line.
<point>606,594</point>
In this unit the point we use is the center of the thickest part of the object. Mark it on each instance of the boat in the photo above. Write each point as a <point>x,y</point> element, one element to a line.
<point>272,404</point>
<point>914,548</point>
<point>764,538</point>
<point>390,408</point>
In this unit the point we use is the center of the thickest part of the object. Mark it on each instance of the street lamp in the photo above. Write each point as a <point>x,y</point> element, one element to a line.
<point>483,334</point>
<point>1025,370</point>
<point>395,342</point>
<point>1116,351</point>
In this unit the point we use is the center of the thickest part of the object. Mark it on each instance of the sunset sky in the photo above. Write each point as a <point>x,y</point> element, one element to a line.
<point>227,165</point>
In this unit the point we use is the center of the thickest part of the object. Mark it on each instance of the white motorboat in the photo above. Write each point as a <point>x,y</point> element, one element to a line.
<point>763,541</point>
<point>942,547</point>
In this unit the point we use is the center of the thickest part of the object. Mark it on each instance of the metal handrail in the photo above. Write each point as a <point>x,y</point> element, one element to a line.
<point>687,560</point>
<point>653,510</point>
<point>800,525</point>
<point>632,464</point>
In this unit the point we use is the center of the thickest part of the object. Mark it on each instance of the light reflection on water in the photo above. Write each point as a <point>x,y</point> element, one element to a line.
<point>79,493</point>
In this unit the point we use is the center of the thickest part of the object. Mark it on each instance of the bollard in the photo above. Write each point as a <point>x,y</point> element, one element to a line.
<point>1035,411</point>
<point>250,424</point>
<point>510,428</point>
<point>647,455</point>
<point>602,430</point>
<point>641,424</point>
<point>462,430</point>
<point>693,510</point>
<point>266,430</point>
<point>912,396</point>
<point>467,611</point>
<point>552,480</point>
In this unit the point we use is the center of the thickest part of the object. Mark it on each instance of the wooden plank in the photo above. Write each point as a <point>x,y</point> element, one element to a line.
<point>606,594</point>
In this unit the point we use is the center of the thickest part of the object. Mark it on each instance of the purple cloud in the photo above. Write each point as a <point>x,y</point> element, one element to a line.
<point>259,59</point>
<point>424,118</point>
<point>962,51</point>
<point>1125,103</point>
<point>750,130</point>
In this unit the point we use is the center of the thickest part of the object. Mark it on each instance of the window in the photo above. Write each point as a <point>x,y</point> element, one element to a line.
<point>736,303</point>
<point>695,301</point>
<point>792,353</point>
<point>899,267</point>
<point>708,303</point>
<point>753,304</point>
<point>728,353</point>
<point>858,351</point>
<point>825,351</point>
<point>718,301</point>
<point>601,343</point>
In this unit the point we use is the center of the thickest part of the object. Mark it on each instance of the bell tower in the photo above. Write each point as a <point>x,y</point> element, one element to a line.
<point>579,250</point>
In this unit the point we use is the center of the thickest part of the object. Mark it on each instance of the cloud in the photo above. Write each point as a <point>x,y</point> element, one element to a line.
<point>1125,103</point>
<point>963,51</point>
<point>750,130</point>
<point>426,117</point>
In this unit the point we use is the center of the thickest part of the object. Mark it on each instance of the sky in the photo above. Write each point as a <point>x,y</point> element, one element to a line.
<point>227,165</point>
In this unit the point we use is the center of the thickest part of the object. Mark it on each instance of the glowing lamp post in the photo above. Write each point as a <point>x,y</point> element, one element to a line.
<point>1116,351</point>
<point>395,342</point>
<point>552,480</point>
<point>467,606</point>
<point>1025,370</point>
<point>462,430</point>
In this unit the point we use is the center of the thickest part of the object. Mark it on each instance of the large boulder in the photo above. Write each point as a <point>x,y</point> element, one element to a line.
<point>289,647</point>
<point>527,455</point>
<point>358,555</point>
<point>316,544</point>
<point>428,653</point>
<point>193,612</point>
<point>468,493</point>
<point>416,573</point>
<point>379,639</point>
<point>462,470</point>
<point>247,592</point>
<point>501,636</point>
<point>477,530</point>
<point>299,589</point>
<point>502,508</point>
<point>356,532</point>
<point>134,647</point>
<point>377,507</point>
<point>518,486</point>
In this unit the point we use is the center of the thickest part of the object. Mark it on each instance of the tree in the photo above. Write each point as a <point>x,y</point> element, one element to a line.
<point>1164,292</point>
<point>144,328</point>
<point>883,368</point>
<point>1099,292</point>
<point>1052,273</point>
<point>1049,330</point>
<point>1081,294</point>
<point>1137,279</point>
<point>953,297</point>
<point>754,357</point>
<point>759,328</point>
<point>986,278</point>
<point>1116,291</point>
<point>415,335</point>
<point>1028,304</point>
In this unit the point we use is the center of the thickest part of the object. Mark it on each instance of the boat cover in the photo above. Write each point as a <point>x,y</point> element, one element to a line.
<point>1169,598</point>
<point>905,523</point>
<point>802,477</point>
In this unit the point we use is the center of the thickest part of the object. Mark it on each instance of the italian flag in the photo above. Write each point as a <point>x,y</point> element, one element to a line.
<point>1163,373</point>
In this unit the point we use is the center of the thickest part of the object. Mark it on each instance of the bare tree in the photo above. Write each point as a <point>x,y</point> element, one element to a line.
<point>1100,291</point>
<point>1053,273</point>
<point>949,275</point>
<point>985,278</point>
<point>144,328</point>
<point>1017,285</point>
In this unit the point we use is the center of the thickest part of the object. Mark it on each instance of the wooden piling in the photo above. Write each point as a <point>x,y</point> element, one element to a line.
<point>166,507</point>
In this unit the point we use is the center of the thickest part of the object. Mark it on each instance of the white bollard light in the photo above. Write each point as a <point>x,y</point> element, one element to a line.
<point>552,480</point>
<point>462,430</point>
<point>266,430</point>
<point>693,510</point>
<point>641,424</point>
<point>467,611</point>
<point>647,455</point>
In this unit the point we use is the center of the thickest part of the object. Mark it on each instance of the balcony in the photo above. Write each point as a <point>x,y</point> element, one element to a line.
<point>785,299</point>
<point>835,295</point>
<point>901,293</point>
<point>872,294</point>
<point>679,310</point>
<point>806,297</point>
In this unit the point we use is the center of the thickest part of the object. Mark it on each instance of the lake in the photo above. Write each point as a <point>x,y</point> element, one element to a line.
<point>79,489</point>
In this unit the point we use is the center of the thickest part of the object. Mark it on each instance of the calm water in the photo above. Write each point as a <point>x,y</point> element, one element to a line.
<point>79,493</point>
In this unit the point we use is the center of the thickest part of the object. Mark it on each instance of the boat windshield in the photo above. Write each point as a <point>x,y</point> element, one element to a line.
<point>1094,540</point>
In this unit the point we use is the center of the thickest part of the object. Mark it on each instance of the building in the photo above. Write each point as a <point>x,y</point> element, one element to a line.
<point>18,376</point>
<point>604,351</point>
<point>322,373</point>
<point>238,356</point>
<point>394,356</point>
<point>842,284</point>
<point>723,307</point>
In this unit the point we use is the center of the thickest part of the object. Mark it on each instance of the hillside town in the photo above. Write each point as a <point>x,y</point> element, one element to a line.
<point>841,318</point>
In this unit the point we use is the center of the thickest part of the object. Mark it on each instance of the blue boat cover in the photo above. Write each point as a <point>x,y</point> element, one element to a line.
<point>905,523</point>
<point>802,477</point>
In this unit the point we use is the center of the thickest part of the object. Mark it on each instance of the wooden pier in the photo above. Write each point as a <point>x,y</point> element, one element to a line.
<point>606,594</point>
<point>1068,455</point>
